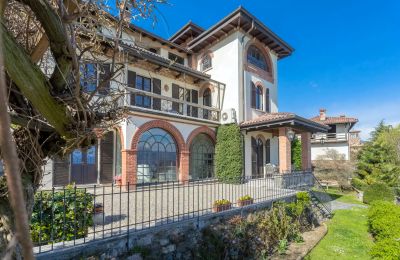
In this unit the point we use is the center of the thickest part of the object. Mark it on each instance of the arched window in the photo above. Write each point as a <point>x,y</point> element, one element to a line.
<point>207,103</point>
<point>156,157</point>
<point>257,157</point>
<point>267,151</point>
<point>257,58</point>
<point>267,102</point>
<point>256,96</point>
<point>201,157</point>
<point>206,62</point>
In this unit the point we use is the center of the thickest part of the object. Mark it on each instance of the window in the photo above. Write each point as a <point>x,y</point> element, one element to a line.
<point>257,157</point>
<point>332,129</point>
<point>256,58</point>
<point>88,77</point>
<point>267,102</point>
<point>176,58</point>
<point>156,157</point>
<point>144,84</point>
<point>268,151</point>
<point>256,96</point>
<point>91,73</point>
<point>206,62</point>
<point>207,103</point>
<point>201,157</point>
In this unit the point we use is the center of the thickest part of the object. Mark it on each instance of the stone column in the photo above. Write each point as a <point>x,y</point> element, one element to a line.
<point>129,167</point>
<point>184,166</point>
<point>285,157</point>
<point>306,151</point>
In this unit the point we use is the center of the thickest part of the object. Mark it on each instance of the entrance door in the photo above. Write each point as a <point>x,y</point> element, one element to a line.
<point>83,166</point>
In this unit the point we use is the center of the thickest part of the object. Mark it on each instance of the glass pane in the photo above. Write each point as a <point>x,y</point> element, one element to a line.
<point>201,158</point>
<point>157,157</point>
<point>76,156</point>
<point>147,85</point>
<point>91,155</point>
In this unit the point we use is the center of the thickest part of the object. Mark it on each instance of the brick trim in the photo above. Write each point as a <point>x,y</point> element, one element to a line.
<point>172,130</point>
<point>201,130</point>
<point>267,75</point>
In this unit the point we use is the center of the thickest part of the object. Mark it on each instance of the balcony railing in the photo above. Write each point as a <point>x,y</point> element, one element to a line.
<point>148,101</point>
<point>330,138</point>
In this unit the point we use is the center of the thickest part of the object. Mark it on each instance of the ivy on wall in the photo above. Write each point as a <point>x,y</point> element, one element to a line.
<point>296,153</point>
<point>228,154</point>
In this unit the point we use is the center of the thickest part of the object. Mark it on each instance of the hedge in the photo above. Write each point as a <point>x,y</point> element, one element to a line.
<point>378,191</point>
<point>61,216</point>
<point>228,154</point>
<point>384,225</point>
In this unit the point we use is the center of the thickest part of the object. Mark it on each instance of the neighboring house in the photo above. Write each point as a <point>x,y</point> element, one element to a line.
<point>338,138</point>
<point>178,91</point>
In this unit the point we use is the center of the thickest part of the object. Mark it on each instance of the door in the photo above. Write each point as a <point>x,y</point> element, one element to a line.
<point>83,166</point>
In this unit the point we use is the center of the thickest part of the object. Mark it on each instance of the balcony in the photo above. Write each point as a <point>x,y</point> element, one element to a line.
<point>149,102</point>
<point>329,138</point>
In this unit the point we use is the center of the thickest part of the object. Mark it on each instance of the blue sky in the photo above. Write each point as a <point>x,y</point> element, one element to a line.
<point>347,52</point>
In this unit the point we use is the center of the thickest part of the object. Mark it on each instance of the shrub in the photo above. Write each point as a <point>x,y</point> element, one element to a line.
<point>384,224</point>
<point>359,184</point>
<point>61,216</point>
<point>228,154</point>
<point>378,191</point>
<point>384,219</point>
<point>296,154</point>
<point>386,249</point>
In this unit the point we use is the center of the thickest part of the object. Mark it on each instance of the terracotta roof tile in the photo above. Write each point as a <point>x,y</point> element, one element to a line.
<point>334,120</point>
<point>268,118</point>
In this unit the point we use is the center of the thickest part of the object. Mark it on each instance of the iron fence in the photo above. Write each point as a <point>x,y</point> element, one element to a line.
<point>74,215</point>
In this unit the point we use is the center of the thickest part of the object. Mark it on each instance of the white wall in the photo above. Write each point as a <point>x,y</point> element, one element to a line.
<point>225,67</point>
<point>321,149</point>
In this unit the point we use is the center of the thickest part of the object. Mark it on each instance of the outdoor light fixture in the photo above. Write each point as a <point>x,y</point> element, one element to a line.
<point>290,134</point>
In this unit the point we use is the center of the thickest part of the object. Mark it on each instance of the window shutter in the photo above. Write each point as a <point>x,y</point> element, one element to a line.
<point>107,158</point>
<point>61,168</point>
<point>157,90</point>
<point>253,156</point>
<point>132,84</point>
<point>268,151</point>
<point>253,95</point>
<point>267,105</point>
<point>195,99</point>
<point>105,73</point>
<point>175,94</point>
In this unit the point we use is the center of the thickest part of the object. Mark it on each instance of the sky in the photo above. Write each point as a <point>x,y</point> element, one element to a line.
<point>346,58</point>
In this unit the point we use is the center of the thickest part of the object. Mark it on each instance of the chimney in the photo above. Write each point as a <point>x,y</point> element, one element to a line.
<point>322,114</point>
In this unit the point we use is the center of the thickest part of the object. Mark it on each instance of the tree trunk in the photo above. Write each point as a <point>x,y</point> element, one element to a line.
<point>31,153</point>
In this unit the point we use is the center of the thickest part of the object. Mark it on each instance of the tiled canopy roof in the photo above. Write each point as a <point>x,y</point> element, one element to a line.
<point>335,120</point>
<point>281,119</point>
<point>269,117</point>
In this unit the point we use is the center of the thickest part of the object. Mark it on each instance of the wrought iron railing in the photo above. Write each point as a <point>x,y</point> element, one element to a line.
<point>75,215</point>
<point>329,137</point>
<point>319,192</point>
<point>149,101</point>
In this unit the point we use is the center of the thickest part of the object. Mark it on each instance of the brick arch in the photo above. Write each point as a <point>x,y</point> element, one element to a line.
<point>172,130</point>
<point>267,75</point>
<point>201,130</point>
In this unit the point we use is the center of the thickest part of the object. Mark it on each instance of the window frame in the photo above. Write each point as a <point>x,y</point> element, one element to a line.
<point>205,58</point>
<point>260,62</point>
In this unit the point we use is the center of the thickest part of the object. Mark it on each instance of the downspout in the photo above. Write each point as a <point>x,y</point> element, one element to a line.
<point>242,91</point>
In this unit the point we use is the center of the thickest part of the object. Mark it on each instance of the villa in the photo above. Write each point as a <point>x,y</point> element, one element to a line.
<point>178,91</point>
<point>340,137</point>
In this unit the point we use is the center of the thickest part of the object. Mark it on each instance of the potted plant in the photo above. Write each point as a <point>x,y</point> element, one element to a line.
<point>245,200</point>
<point>118,180</point>
<point>221,205</point>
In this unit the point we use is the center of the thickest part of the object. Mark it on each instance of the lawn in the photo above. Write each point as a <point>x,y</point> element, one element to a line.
<point>347,237</point>
<point>346,197</point>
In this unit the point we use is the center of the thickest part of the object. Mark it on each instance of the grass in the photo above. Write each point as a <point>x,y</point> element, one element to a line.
<point>348,236</point>
<point>346,197</point>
